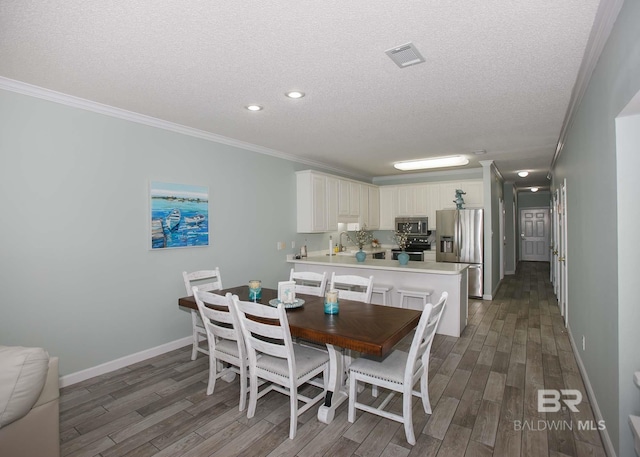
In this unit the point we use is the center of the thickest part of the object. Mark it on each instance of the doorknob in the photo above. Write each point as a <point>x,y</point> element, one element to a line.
<point>555,252</point>
<point>561,259</point>
<point>522,236</point>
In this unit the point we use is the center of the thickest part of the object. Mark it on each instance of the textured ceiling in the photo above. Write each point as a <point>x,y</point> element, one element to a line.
<point>498,75</point>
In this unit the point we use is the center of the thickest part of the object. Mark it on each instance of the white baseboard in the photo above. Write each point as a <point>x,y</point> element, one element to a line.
<point>113,365</point>
<point>510,272</point>
<point>604,434</point>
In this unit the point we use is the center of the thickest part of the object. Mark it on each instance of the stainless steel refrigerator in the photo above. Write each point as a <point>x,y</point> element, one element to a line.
<point>460,239</point>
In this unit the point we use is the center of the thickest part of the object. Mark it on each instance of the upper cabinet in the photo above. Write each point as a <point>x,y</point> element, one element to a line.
<point>324,200</point>
<point>311,202</point>
<point>388,203</point>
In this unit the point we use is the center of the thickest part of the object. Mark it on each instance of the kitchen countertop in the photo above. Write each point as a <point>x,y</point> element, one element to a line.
<point>440,268</point>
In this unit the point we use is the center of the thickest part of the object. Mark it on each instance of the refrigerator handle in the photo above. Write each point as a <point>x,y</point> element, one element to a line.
<point>456,235</point>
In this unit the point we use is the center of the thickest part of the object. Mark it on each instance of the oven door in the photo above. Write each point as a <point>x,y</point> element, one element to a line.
<point>413,255</point>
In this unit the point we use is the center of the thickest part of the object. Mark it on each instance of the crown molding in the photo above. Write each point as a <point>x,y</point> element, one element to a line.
<point>603,24</point>
<point>100,108</point>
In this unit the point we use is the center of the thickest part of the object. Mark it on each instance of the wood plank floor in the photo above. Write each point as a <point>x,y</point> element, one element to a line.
<point>480,385</point>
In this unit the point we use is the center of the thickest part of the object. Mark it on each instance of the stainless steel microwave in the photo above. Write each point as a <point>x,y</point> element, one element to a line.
<point>417,225</point>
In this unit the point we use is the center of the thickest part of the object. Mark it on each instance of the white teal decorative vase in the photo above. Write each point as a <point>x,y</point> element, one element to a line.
<point>403,258</point>
<point>361,255</point>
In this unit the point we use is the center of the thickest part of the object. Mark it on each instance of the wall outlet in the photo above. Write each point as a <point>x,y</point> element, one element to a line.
<point>293,245</point>
<point>281,245</point>
<point>584,343</point>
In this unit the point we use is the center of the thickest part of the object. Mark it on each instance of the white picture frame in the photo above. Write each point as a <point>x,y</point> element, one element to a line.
<point>287,291</point>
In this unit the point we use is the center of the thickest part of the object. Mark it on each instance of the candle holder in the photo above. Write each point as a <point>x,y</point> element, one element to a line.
<point>255,290</point>
<point>331,305</point>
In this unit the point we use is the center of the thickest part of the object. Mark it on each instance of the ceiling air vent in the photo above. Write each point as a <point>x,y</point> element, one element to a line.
<point>405,55</point>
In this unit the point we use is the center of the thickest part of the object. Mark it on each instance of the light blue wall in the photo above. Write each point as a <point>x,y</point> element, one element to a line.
<point>76,275</point>
<point>628,164</point>
<point>588,162</point>
<point>528,199</point>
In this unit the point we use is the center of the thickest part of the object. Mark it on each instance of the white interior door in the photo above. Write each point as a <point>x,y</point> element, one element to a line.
<point>562,254</point>
<point>555,275</point>
<point>534,234</point>
<point>502,239</point>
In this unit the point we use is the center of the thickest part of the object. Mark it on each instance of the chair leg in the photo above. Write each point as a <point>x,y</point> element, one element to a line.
<point>293,399</point>
<point>196,338</point>
<point>213,365</point>
<point>253,396</point>
<point>374,391</point>
<point>353,392</point>
<point>243,387</point>
<point>424,391</point>
<point>408,416</point>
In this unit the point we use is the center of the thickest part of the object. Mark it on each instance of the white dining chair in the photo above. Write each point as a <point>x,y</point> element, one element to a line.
<point>225,340</point>
<point>207,280</point>
<point>346,286</point>
<point>399,372</point>
<point>309,282</point>
<point>274,358</point>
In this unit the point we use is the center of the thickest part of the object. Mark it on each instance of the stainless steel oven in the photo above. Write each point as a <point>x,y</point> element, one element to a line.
<point>417,225</point>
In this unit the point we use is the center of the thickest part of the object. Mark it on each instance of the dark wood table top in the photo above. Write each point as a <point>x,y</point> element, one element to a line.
<point>367,328</point>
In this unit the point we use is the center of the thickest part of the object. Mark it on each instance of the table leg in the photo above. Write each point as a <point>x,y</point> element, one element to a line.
<point>336,390</point>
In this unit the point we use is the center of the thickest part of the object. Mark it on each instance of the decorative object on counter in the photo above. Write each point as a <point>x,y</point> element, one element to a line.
<point>375,243</point>
<point>331,305</point>
<point>362,237</point>
<point>331,245</point>
<point>459,201</point>
<point>401,237</point>
<point>403,258</point>
<point>287,292</point>
<point>255,290</point>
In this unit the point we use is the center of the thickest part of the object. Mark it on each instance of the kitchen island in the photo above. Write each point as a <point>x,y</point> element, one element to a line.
<point>441,277</point>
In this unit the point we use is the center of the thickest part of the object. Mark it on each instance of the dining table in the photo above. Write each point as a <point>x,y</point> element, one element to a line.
<point>366,328</point>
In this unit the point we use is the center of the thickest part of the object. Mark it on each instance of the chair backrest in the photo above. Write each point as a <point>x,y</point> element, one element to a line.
<point>219,322</point>
<point>344,284</point>
<point>423,338</point>
<point>272,337</point>
<point>206,280</point>
<point>308,282</point>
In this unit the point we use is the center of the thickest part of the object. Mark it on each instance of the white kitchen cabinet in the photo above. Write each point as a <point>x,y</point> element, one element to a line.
<point>343,197</point>
<point>388,201</point>
<point>363,192</point>
<point>421,208</point>
<point>374,207</point>
<point>433,203</point>
<point>406,205</point>
<point>332,204</point>
<point>311,202</point>
<point>354,198</point>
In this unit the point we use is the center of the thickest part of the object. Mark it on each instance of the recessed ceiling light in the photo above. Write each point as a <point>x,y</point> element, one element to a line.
<point>295,94</point>
<point>523,174</point>
<point>438,162</point>
<point>534,189</point>
<point>254,107</point>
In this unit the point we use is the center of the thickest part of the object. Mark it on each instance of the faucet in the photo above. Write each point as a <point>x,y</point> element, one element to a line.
<point>341,246</point>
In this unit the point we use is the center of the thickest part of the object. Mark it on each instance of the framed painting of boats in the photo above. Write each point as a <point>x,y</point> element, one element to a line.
<point>179,215</point>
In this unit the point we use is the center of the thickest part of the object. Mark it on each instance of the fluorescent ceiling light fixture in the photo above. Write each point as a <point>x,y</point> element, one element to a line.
<point>295,94</point>
<point>437,162</point>
<point>523,174</point>
<point>254,107</point>
<point>534,189</point>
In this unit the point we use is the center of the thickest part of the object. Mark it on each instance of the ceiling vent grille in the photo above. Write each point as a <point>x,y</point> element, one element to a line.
<point>405,55</point>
